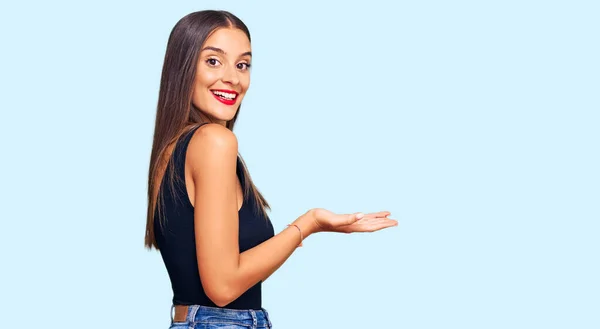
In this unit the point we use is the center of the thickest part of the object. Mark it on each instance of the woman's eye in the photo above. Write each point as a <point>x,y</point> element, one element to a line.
<point>243,66</point>
<point>212,61</point>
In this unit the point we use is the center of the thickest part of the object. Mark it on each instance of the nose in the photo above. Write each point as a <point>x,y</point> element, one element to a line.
<point>230,75</point>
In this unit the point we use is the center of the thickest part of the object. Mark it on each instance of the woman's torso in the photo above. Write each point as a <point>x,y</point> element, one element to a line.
<point>176,239</point>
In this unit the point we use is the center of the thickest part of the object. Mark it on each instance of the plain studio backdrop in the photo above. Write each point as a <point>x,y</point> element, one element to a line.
<point>476,123</point>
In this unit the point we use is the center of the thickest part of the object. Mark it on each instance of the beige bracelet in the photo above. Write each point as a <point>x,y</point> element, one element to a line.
<point>299,230</point>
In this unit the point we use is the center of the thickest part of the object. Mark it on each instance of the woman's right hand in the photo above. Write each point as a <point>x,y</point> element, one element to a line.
<point>327,221</point>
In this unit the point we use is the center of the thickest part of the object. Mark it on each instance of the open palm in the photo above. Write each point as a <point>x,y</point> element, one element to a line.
<point>350,223</point>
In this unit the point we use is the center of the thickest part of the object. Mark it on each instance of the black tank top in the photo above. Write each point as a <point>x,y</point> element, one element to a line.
<point>177,244</point>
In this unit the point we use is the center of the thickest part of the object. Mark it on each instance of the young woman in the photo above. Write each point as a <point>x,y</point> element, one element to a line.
<point>205,215</point>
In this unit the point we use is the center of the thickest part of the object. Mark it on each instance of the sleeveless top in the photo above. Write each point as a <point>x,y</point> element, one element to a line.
<point>176,240</point>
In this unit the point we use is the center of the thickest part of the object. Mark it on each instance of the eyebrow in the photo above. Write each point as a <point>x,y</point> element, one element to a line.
<point>221,51</point>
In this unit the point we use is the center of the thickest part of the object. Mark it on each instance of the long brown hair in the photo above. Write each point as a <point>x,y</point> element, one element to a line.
<point>176,115</point>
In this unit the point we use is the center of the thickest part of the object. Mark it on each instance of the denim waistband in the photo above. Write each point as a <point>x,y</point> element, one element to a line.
<point>206,314</point>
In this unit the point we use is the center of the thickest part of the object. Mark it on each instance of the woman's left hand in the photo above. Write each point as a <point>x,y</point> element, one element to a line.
<point>367,223</point>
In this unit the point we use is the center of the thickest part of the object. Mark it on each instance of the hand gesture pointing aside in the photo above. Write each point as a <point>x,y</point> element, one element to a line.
<point>327,221</point>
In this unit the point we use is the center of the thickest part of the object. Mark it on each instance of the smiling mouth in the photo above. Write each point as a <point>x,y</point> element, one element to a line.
<point>227,97</point>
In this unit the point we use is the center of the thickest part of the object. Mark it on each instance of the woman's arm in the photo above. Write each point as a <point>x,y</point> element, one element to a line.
<point>268,256</point>
<point>225,273</point>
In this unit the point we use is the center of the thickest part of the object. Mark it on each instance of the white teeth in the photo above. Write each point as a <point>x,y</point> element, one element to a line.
<point>224,94</point>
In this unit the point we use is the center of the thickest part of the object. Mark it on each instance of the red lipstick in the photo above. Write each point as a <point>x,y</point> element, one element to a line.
<point>221,98</point>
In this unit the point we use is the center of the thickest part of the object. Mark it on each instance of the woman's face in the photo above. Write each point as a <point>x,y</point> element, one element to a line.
<point>222,74</point>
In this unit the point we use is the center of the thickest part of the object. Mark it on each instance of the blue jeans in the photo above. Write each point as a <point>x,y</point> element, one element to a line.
<point>204,317</point>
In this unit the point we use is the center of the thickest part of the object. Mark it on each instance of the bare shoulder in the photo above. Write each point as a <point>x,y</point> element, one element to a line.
<point>212,143</point>
<point>212,134</point>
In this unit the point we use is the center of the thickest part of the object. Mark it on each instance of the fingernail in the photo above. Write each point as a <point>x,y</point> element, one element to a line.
<point>360,215</point>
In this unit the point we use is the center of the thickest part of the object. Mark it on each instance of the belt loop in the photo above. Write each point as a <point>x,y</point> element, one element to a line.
<point>254,320</point>
<point>171,313</point>
<point>191,316</point>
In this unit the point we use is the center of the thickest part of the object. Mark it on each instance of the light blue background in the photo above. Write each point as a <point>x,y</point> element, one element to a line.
<point>474,122</point>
